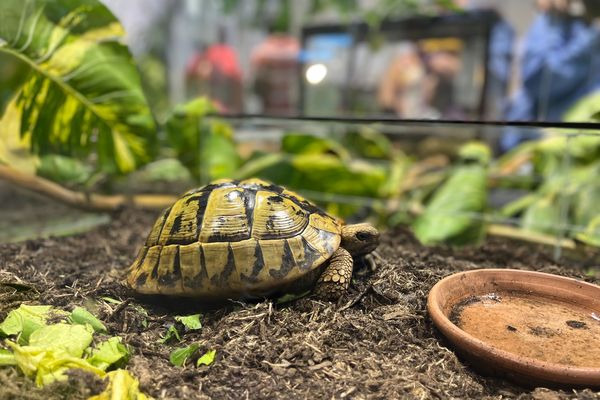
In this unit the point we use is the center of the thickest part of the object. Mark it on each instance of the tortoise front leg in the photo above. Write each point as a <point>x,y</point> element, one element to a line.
<point>335,279</point>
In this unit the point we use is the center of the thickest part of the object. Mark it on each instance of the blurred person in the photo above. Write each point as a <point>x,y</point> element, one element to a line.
<point>214,71</point>
<point>560,64</point>
<point>275,61</point>
<point>444,63</point>
<point>500,54</point>
<point>400,91</point>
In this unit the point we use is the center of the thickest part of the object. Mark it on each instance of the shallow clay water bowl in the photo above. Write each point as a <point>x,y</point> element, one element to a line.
<point>532,327</point>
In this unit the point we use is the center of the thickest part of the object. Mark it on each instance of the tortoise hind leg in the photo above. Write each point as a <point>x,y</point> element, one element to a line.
<point>335,279</point>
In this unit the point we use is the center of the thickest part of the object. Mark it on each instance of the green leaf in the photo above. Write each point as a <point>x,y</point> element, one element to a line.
<point>109,353</point>
<point>591,235</point>
<point>587,200</point>
<point>83,93</point>
<point>543,216</point>
<point>180,355</point>
<point>12,75</point>
<point>165,170</point>
<point>260,163</point>
<point>63,169</point>
<point>587,109</point>
<point>191,322</point>
<point>207,358</point>
<point>323,173</point>
<point>72,339</point>
<point>24,321</point>
<point>7,358</point>
<point>330,175</point>
<point>218,151</point>
<point>205,147</point>
<point>475,151</point>
<point>517,206</point>
<point>396,171</point>
<point>172,333</point>
<point>121,386</point>
<point>198,107</point>
<point>82,316</point>
<point>52,350</point>
<point>345,186</point>
<point>452,214</point>
<point>370,143</point>
<point>301,143</point>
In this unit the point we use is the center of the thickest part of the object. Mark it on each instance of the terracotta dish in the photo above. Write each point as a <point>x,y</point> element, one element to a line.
<point>532,327</point>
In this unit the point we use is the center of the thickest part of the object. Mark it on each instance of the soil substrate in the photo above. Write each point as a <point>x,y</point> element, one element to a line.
<point>377,342</point>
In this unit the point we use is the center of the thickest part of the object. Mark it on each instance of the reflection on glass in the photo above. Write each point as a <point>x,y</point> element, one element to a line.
<point>407,69</point>
<point>316,73</point>
<point>464,59</point>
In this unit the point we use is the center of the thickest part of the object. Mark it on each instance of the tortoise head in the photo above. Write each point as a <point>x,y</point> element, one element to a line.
<point>359,239</point>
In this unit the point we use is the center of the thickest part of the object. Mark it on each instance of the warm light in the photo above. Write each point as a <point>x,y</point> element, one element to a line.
<point>316,73</point>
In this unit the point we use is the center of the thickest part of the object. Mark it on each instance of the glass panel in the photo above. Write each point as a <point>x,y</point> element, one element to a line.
<point>432,59</point>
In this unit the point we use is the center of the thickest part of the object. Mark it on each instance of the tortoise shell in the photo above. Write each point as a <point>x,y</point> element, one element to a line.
<point>234,238</point>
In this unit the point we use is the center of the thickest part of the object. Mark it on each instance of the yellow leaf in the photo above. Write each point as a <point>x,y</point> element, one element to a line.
<point>123,156</point>
<point>112,30</point>
<point>121,386</point>
<point>48,364</point>
<point>14,150</point>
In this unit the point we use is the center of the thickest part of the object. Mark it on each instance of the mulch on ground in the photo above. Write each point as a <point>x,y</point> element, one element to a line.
<point>377,342</point>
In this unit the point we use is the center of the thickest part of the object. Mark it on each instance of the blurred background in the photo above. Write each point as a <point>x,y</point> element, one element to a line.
<point>461,59</point>
<point>458,118</point>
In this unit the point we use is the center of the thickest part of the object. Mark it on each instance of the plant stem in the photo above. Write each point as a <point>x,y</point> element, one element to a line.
<point>87,201</point>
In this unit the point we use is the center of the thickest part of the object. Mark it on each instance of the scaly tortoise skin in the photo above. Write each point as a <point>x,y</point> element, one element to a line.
<point>247,239</point>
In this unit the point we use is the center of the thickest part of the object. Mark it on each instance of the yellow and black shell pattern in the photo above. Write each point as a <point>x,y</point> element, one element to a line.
<point>234,238</point>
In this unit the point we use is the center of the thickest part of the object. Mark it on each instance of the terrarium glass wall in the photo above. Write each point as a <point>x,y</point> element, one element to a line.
<point>461,60</point>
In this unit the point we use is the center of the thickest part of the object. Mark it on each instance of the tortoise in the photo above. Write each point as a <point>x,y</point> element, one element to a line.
<point>248,239</point>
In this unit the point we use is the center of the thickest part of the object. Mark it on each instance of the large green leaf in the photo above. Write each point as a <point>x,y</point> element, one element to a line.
<point>73,339</point>
<point>543,216</point>
<point>591,235</point>
<point>109,353</point>
<point>454,213</point>
<point>320,172</point>
<point>370,143</point>
<point>24,321</point>
<point>301,143</point>
<point>205,147</point>
<point>585,109</point>
<point>66,170</point>
<point>587,202</point>
<point>83,92</point>
<point>343,186</point>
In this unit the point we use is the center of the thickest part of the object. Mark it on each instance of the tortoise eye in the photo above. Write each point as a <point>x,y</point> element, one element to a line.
<point>362,236</point>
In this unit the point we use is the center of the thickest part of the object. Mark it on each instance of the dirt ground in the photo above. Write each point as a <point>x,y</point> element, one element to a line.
<point>378,342</point>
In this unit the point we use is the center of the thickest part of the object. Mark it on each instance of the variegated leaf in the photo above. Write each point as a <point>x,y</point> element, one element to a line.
<point>83,93</point>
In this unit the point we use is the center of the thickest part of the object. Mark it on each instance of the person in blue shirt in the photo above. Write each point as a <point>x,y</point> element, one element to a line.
<point>560,65</point>
<point>500,54</point>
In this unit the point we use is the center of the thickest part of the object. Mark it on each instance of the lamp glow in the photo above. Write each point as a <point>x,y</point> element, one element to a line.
<point>316,73</point>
